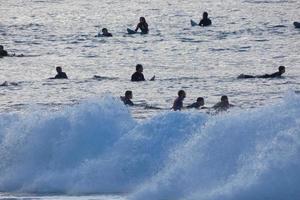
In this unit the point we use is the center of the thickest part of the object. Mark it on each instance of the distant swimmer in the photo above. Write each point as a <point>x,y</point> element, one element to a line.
<point>199,104</point>
<point>60,74</point>
<point>205,21</point>
<point>281,70</point>
<point>142,25</point>
<point>223,105</point>
<point>178,103</point>
<point>105,33</point>
<point>3,52</point>
<point>127,98</point>
<point>138,74</point>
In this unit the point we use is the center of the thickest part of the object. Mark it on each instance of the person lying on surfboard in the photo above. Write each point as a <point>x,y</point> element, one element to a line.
<point>142,25</point>
<point>105,33</point>
<point>199,104</point>
<point>205,21</point>
<point>281,70</point>
<point>127,98</point>
<point>223,105</point>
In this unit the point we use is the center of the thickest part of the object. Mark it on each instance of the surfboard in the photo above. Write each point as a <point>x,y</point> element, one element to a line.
<point>193,23</point>
<point>130,31</point>
<point>297,24</point>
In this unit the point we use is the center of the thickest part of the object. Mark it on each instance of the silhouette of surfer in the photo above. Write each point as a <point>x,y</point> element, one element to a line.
<point>205,21</point>
<point>281,70</point>
<point>178,103</point>
<point>127,98</point>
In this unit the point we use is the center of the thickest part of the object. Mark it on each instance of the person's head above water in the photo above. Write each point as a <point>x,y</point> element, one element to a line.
<point>224,99</point>
<point>142,19</point>
<point>58,69</point>
<point>139,68</point>
<point>1,47</point>
<point>281,69</point>
<point>104,31</point>
<point>200,100</point>
<point>181,94</point>
<point>128,94</point>
<point>205,15</point>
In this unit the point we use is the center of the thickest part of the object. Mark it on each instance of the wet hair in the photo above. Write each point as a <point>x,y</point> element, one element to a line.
<point>205,14</point>
<point>224,98</point>
<point>128,93</point>
<point>200,99</point>
<point>138,66</point>
<point>181,92</point>
<point>281,68</point>
<point>104,29</point>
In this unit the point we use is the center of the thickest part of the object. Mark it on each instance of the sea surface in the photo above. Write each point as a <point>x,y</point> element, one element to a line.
<point>74,139</point>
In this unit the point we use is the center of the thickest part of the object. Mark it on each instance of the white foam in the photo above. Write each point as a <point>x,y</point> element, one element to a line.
<point>97,147</point>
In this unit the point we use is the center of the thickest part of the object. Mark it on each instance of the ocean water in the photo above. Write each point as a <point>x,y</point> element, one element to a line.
<point>74,139</point>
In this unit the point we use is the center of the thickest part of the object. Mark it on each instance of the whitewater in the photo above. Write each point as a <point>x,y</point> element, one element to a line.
<point>97,147</point>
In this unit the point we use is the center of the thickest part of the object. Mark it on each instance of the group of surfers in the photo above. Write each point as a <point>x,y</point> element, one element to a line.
<point>223,105</point>
<point>143,26</point>
<point>138,75</point>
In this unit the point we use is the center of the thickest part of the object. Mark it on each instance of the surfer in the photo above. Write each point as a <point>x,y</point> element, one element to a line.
<point>178,103</point>
<point>127,98</point>
<point>142,25</point>
<point>105,33</point>
<point>223,105</point>
<point>138,74</point>
<point>6,83</point>
<point>281,70</point>
<point>3,52</point>
<point>199,104</point>
<point>205,21</point>
<point>60,74</point>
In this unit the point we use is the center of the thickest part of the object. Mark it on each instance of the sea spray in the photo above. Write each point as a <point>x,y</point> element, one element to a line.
<point>252,154</point>
<point>98,147</point>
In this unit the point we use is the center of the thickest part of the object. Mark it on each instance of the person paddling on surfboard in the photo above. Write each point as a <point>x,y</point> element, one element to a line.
<point>142,25</point>
<point>127,98</point>
<point>223,105</point>
<point>205,21</point>
<point>281,70</point>
<point>105,33</point>
<point>199,104</point>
